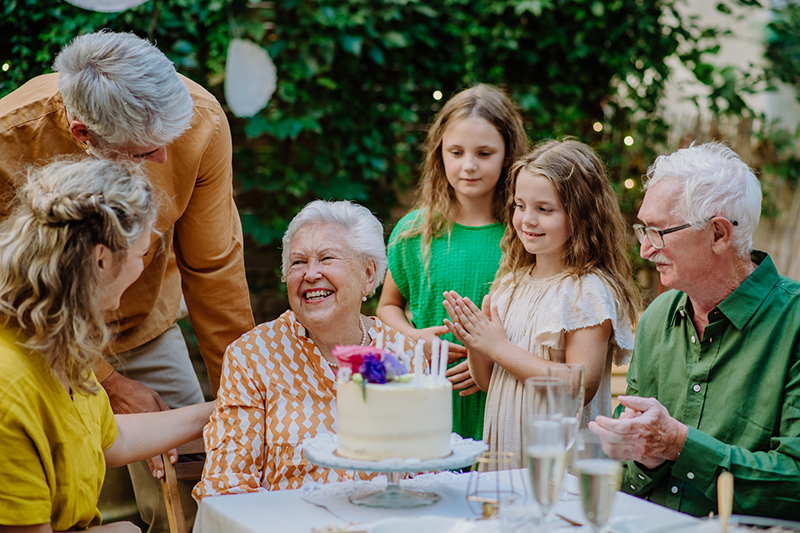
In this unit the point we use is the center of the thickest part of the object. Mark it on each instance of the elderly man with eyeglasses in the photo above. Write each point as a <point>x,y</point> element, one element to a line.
<point>714,384</point>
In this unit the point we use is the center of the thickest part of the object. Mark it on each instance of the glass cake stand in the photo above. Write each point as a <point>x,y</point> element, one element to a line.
<point>321,450</point>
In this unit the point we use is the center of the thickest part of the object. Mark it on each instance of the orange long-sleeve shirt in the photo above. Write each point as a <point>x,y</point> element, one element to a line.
<point>201,252</point>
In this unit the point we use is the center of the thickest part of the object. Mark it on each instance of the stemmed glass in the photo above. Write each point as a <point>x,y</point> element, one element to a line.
<point>545,440</point>
<point>599,478</point>
<point>574,377</point>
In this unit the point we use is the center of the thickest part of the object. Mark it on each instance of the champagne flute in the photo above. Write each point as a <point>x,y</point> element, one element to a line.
<point>574,377</point>
<point>545,442</point>
<point>599,477</point>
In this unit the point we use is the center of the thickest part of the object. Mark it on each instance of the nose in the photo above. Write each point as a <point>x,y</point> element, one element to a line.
<point>312,271</point>
<point>159,156</point>
<point>469,164</point>
<point>646,250</point>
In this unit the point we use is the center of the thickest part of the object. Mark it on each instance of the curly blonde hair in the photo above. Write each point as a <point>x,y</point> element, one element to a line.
<point>436,199</point>
<point>597,238</point>
<point>49,284</point>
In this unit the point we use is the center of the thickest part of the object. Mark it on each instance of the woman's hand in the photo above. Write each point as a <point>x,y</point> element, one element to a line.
<point>461,378</point>
<point>455,352</point>
<point>479,330</point>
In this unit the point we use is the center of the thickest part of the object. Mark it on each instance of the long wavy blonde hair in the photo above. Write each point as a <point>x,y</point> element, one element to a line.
<point>597,239</point>
<point>49,283</point>
<point>436,199</point>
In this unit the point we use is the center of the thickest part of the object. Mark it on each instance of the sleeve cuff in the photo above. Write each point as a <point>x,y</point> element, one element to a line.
<point>700,461</point>
<point>102,369</point>
<point>638,480</point>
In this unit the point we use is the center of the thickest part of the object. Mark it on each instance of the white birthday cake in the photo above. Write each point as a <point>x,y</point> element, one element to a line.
<point>384,411</point>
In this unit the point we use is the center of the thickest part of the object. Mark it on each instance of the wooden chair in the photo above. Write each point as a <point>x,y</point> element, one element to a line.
<point>184,470</point>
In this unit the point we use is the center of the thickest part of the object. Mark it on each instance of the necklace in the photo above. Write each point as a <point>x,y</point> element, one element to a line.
<point>363,341</point>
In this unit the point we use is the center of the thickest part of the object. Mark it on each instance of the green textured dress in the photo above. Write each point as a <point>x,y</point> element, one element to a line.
<point>466,263</point>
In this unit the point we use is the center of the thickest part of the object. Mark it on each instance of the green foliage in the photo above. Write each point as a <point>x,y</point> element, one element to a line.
<point>357,78</point>
<point>193,34</point>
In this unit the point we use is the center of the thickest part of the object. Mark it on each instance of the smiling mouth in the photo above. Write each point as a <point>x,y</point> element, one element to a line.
<point>319,294</point>
<point>532,234</point>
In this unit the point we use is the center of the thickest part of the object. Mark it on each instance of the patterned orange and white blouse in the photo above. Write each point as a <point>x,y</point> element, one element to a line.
<point>276,390</point>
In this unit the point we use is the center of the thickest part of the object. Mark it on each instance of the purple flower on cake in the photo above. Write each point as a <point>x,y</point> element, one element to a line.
<point>373,369</point>
<point>369,364</point>
<point>394,368</point>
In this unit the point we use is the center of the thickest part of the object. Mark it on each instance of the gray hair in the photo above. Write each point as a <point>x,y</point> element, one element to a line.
<point>124,89</point>
<point>716,182</point>
<point>363,232</point>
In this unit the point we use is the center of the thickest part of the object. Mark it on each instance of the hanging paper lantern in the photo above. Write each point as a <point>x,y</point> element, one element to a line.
<point>249,78</point>
<point>107,6</point>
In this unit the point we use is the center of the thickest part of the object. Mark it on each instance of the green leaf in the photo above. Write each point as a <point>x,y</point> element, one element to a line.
<point>352,44</point>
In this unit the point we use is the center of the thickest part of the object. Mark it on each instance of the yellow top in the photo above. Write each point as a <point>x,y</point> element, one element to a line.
<point>51,444</point>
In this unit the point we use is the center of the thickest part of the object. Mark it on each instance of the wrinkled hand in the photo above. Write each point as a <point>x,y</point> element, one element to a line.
<point>645,432</point>
<point>128,396</point>
<point>461,379</point>
<point>456,352</point>
<point>480,330</point>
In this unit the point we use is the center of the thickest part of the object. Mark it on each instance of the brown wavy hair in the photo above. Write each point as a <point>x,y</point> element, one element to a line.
<point>436,198</point>
<point>49,283</point>
<point>597,238</point>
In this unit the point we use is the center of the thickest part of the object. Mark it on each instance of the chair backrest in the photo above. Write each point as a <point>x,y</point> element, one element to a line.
<point>189,468</point>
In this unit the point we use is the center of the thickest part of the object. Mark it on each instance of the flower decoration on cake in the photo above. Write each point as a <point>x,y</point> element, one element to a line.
<point>369,364</point>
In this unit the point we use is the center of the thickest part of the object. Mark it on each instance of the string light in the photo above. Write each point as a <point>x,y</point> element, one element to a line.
<point>437,95</point>
<point>629,183</point>
<point>597,127</point>
<point>6,66</point>
<point>628,140</point>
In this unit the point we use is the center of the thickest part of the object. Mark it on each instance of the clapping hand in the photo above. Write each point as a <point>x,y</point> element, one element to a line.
<point>645,432</point>
<point>480,330</point>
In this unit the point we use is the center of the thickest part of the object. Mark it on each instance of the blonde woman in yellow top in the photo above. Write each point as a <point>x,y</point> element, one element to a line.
<point>78,237</point>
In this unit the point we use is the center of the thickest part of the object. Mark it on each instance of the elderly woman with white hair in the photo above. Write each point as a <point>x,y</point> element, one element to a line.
<point>279,380</point>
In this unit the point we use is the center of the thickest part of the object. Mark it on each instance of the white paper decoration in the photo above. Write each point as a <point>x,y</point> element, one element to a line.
<point>249,78</point>
<point>107,6</point>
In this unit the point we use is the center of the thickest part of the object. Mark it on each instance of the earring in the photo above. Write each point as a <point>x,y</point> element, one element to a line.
<point>363,298</point>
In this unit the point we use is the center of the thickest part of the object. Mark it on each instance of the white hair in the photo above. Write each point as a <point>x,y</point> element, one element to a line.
<point>716,182</point>
<point>363,233</point>
<point>124,89</point>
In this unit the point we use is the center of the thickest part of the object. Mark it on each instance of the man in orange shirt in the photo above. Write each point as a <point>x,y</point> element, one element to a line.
<point>117,96</point>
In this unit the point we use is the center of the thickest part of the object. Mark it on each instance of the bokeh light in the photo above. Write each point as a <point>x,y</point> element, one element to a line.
<point>597,127</point>
<point>629,183</point>
<point>437,95</point>
<point>628,140</point>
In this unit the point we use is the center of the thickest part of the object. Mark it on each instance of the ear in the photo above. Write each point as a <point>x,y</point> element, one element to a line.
<point>721,236</point>
<point>79,130</point>
<point>102,259</point>
<point>372,270</point>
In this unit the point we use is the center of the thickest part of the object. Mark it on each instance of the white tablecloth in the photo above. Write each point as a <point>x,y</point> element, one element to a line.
<point>320,506</point>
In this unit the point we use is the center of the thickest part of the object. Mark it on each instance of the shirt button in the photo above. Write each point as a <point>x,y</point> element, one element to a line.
<point>640,476</point>
<point>692,339</point>
<point>633,487</point>
<point>682,313</point>
<point>696,388</point>
<point>690,475</point>
<point>674,490</point>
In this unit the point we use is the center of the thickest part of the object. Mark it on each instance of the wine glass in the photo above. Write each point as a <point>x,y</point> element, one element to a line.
<point>545,440</point>
<point>599,478</point>
<point>574,377</point>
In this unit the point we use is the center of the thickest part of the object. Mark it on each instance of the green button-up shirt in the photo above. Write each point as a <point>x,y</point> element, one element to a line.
<point>738,390</point>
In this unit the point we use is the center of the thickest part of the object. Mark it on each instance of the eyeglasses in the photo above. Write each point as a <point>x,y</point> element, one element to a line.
<point>656,236</point>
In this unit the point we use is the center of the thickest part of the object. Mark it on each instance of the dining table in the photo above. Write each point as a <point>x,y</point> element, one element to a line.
<point>319,508</point>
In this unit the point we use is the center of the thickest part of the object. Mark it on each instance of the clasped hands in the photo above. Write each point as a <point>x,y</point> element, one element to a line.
<point>645,432</point>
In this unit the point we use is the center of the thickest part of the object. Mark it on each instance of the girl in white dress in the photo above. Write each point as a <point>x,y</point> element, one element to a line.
<point>564,292</point>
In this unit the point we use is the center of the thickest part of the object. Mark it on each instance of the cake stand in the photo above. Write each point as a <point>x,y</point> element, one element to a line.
<point>321,450</point>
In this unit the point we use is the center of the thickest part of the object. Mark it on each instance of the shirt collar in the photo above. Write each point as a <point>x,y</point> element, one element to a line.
<point>740,305</point>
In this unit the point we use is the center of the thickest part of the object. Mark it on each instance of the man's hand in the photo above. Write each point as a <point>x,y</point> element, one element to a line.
<point>645,432</point>
<point>128,396</point>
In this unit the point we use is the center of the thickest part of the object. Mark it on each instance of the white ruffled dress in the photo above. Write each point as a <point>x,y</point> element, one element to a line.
<point>536,314</point>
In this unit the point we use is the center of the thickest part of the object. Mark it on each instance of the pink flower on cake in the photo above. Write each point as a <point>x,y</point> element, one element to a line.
<point>353,356</point>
